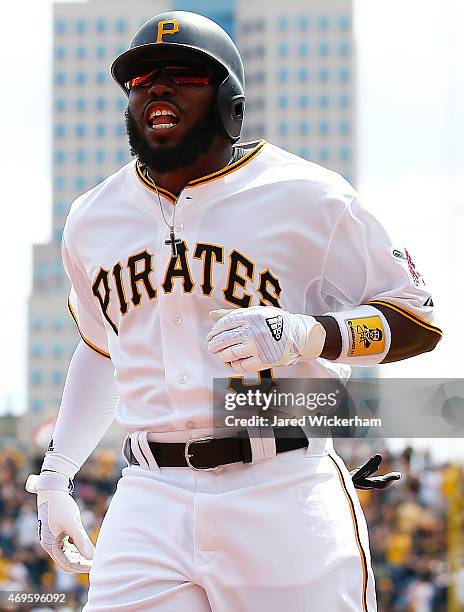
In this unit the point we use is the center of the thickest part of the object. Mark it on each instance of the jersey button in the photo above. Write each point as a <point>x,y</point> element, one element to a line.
<point>182,379</point>
<point>177,319</point>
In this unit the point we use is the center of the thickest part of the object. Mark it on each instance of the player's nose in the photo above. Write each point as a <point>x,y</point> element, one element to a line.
<point>162,85</point>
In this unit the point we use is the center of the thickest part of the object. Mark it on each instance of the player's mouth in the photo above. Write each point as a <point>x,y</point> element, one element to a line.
<point>161,117</point>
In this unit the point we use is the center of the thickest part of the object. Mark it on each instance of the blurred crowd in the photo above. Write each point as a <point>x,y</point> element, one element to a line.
<point>408,527</point>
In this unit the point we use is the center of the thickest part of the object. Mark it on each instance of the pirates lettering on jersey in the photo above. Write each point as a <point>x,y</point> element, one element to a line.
<point>137,280</point>
<point>208,252</point>
<point>179,268</point>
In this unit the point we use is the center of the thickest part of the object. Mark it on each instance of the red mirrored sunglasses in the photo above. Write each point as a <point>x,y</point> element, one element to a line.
<point>179,74</point>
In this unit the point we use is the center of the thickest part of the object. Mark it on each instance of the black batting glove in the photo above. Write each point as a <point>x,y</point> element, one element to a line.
<point>362,476</point>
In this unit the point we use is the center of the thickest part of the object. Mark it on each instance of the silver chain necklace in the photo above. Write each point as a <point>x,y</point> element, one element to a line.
<point>173,241</point>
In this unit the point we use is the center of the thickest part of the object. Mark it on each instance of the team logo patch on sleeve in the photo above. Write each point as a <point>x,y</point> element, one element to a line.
<point>276,325</point>
<point>405,257</point>
<point>366,336</point>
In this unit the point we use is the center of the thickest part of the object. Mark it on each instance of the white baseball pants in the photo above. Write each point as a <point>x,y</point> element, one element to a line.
<point>286,534</point>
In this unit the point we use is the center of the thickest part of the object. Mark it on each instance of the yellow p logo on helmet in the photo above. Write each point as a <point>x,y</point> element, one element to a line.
<point>162,30</point>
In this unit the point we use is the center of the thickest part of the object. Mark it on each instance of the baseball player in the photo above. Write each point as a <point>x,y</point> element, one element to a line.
<point>209,258</point>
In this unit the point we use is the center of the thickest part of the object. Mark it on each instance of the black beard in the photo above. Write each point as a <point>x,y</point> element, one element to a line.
<point>166,158</point>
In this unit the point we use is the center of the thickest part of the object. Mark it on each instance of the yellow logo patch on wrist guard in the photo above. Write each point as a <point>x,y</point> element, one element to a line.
<point>366,336</point>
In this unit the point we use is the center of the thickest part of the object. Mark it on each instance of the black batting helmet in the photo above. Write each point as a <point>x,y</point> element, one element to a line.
<point>181,34</point>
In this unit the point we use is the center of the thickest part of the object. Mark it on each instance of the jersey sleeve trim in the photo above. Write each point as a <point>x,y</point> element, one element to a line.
<point>409,315</point>
<point>86,340</point>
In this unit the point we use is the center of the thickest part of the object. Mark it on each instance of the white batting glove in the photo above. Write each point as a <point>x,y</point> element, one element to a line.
<point>261,337</point>
<point>59,519</point>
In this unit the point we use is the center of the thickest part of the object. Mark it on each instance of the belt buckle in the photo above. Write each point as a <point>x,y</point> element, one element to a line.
<point>187,455</point>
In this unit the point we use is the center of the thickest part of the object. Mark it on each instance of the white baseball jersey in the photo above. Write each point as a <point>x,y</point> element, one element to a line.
<point>270,229</point>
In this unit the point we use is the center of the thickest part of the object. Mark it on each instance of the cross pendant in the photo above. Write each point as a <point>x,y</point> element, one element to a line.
<point>173,241</point>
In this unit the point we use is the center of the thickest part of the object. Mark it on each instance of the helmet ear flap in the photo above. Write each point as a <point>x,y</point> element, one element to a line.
<point>231,106</point>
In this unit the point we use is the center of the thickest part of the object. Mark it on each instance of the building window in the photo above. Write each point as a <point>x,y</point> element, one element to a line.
<point>121,156</point>
<point>101,52</point>
<point>282,75</point>
<point>81,26</point>
<point>81,78</point>
<point>282,49</point>
<point>60,105</point>
<point>323,128</point>
<point>303,75</point>
<point>323,49</point>
<point>344,22</point>
<point>344,75</point>
<point>324,154</point>
<point>304,152</point>
<point>36,378</point>
<point>303,101</point>
<point>60,53</point>
<point>100,104</point>
<point>121,104</point>
<point>344,100</point>
<point>344,48</point>
<point>80,156</point>
<point>37,404</point>
<point>345,153</point>
<point>344,127</point>
<point>119,49</point>
<point>60,183</point>
<point>323,75</point>
<point>57,235</point>
<point>120,129</point>
<point>60,130</point>
<point>37,323</point>
<point>60,209</point>
<point>80,104</point>
<point>80,53</point>
<point>100,130</point>
<point>304,128</point>
<point>80,130</point>
<point>57,264</point>
<point>57,351</point>
<point>101,26</point>
<point>99,179</point>
<point>40,270</point>
<point>60,26</point>
<point>303,22</point>
<point>57,322</point>
<point>57,377</point>
<point>100,155</point>
<point>60,78</point>
<point>36,350</point>
<point>60,156</point>
<point>121,26</point>
<point>282,128</point>
<point>79,183</point>
<point>100,78</point>
<point>323,22</point>
<point>282,102</point>
<point>282,22</point>
<point>303,48</point>
<point>324,101</point>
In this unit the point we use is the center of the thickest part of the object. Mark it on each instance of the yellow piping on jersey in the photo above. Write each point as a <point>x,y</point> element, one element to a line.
<point>92,346</point>
<point>409,315</point>
<point>356,532</point>
<point>204,179</point>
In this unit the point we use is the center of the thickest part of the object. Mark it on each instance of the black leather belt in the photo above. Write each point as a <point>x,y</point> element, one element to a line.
<point>210,453</point>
